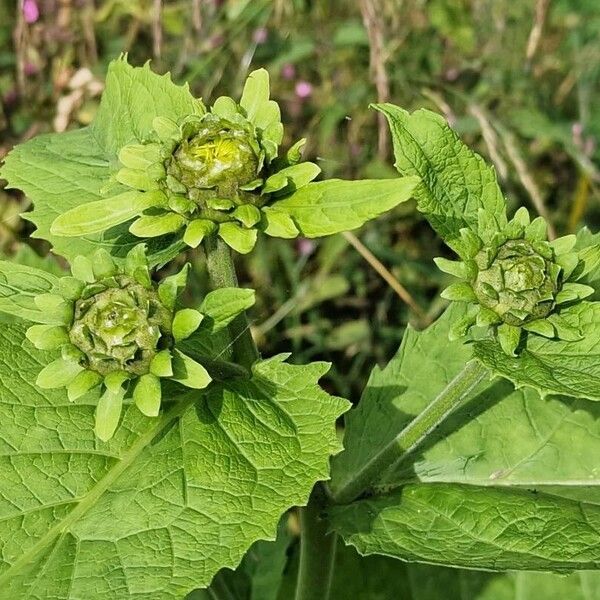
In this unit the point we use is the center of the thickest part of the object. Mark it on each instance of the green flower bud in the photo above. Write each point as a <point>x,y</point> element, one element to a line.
<point>515,280</point>
<point>121,328</point>
<point>519,285</point>
<point>119,333</point>
<point>208,174</point>
<point>215,154</point>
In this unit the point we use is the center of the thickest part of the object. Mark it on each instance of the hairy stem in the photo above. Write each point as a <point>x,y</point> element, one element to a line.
<point>317,551</point>
<point>221,272</point>
<point>448,400</point>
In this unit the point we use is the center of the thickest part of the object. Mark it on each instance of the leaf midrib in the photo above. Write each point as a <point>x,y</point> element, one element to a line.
<point>89,500</point>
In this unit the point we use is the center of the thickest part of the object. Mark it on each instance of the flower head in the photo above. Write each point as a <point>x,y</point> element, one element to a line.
<point>217,172</point>
<point>117,330</point>
<point>515,280</point>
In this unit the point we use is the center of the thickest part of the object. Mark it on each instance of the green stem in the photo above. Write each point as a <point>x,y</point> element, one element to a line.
<point>221,272</point>
<point>317,551</point>
<point>388,459</point>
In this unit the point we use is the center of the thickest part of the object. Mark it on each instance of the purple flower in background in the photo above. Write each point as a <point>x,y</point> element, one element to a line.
<point>304,89</point>
<point>305,246</point>
<point>30,69</point>
<point>260,35</point>
<point>31,12</point>
<point>288,71</point>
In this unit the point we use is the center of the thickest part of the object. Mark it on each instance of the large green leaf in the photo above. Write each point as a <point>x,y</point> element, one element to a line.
<point>455,181</point>
<point>554,366</point>
<point>328,207</point>
<point>396,394</point>
<point>133,98</point>
<point>159,509</point>
<point>500,442</point>
<point>488,528</point>
<point>63,170</point>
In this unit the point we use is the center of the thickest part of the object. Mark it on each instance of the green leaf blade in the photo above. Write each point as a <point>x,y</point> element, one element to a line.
<point>473,527</point>
<point>152,512</point>
<point>455,181</point>
<point>328,207</point>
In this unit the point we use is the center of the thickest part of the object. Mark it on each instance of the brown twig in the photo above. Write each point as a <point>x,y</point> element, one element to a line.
<point>385,273</point>
<point>490,138</point>
<point>371,15</point>
<point>535,35</point>
<point>156,29</point>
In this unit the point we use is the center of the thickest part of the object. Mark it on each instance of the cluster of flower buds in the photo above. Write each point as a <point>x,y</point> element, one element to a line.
<point>117,330</point>
<point>516,280</point>
<point>216,172</point>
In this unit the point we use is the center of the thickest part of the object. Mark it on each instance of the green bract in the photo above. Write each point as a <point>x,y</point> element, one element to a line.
<point>116,329</point>
<point>516,280</point>
<point>209,172</point>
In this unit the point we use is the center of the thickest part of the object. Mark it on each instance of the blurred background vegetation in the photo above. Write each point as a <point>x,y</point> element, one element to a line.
<point>518,80</point>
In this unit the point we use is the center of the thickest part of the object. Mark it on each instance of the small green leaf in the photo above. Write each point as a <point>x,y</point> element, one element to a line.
<point>452,267</point>
<point>168,290</point>
<point>161,364</point>
<point>103,265</point>
<point>147,395</point>
<point>157,225</point>
<point>70,288</point>
<point>58,374</point>
<point>108,413</point>
<point>328,207</point>
<point>509,338</point>
<point>279,224</point>
<point>185,322</point>
<point>537,230</point>
<point>83,383</point>
<point>564,244</point>
<point>247,214</point>
<point>225,107</point>
<point>240,239</point>
<point>294,154</point>
<point>264,113</point>
<point>47,337</point>
<point>188,372</point>
<point>542,327</point>
<point>573,291</point>
<point>137,179</point>
<point>196,231</point>
<point>165,128</point>
<point>460,291</point>
<point>54,308</point>
<point>98,216</point>
<point>140,156</point>
<point>223,305</point>
<point>82,269</point>
<point>136,265</point>
<point>275,183</point>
